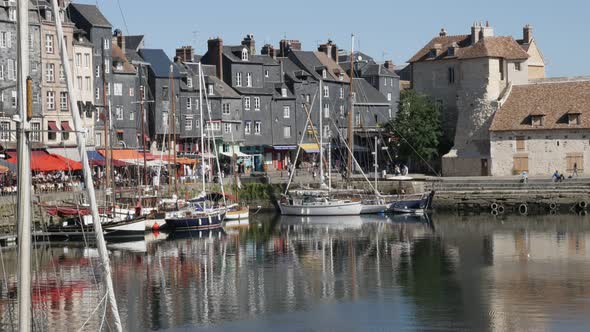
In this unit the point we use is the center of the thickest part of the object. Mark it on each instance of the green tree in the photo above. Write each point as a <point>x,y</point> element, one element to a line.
<point>416,131</point>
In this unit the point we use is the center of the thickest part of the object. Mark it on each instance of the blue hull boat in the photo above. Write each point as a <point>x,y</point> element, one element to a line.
<point>415,206</point>
<point>196,220</point>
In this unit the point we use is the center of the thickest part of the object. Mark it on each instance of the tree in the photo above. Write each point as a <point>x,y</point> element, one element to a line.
<point>416,130</point>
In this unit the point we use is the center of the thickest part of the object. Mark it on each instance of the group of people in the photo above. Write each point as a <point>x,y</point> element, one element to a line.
<point>559,177</point>
<point>45,182</point>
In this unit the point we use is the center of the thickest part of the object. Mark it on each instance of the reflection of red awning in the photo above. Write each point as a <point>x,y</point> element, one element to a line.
<point>65,126</point>
<point>42,161</point>
<point>52,126</point>
<point>120,131</point>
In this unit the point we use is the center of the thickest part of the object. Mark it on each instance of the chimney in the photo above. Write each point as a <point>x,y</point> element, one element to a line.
<point>287,46</point>
<point>330,50</point>
<point>486,31</point>
<point>269,50</point>
<point>250,44</point>
<point>443,32</point>
<point>185,53</point>
<point>215,50</point>
<point>475,33</point>
<point>119,39</point>
<point>388,64</point>
<point>527,33</point>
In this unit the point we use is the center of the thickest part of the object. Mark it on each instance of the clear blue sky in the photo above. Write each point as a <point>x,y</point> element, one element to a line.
<point>396,29</point>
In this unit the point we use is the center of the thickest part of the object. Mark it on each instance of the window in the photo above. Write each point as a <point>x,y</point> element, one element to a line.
<point>78,59</point>
<point>284,92</point>
<point>13,99</point>
<point>226,109</point>
<point>521,164</point>
<point>49,43</point>
<point>244,54</point>
<point>11,69</point>
<point>50,100</point>
<point>5,130</point>
<point>1,72</point>
<point>50,72</point>
<point>341,93</point>
<point>324,74</point>
<point>62,74</point>
<point>86,60</point>
<point>326,130</point>
<point>341,109</point>
<point>389,112</point>
<point>79,82</point>
<point>341,77</point>
<point>247,103</point>
<point>119,112</point>
<point>189,103</point>
<point>97,94</point>
<point>573,119</point>
<point>537,120</point>
<point>520,143</point>
<point>357,119</point>
<point>65,134</point>
<point>286,112</point>
<point>197,124</point>
<point>107,66</point>
<point>326,91</point>
<point>238,79</point>
<point>257,103</point>
<point>63,101</point>
<point>189,82</point>
<point>5,41</point>
<point>266,73</point>
<point>517,66</point>
<point>389,96</point>
<point>118,89</point>
<point>210,89</point>
<point>451,75</point>
<point>131,92</point>
<point>247,127</point>
<point>131,116</point>
<point>97,71</point>
<point>51,130</point>
<point>12,14</point>
<point>287,131</point>
<point>307,98</point>
<point>257,127</point>
<point>501,69</point>
<point>188,122</point>
<point>120,134</point>
<point>88,83</point>
<point>326,110</point>
<point>108,89</point>
<point>227,128</point>
<point>35,132</point>
<point>106,43</point>
<point>354,96</point>
<point>248,79</point>
<point>213,126</point>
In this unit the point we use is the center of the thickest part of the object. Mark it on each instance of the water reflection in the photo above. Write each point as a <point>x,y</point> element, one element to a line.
<point>303,273</point>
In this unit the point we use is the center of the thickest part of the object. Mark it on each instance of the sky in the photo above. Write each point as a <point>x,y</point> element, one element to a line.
<point>384,29</point>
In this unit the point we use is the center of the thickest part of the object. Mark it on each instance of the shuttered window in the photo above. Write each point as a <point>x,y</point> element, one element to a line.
<point>521,164</point>
<point>574,158</point>
<point>520,140</point>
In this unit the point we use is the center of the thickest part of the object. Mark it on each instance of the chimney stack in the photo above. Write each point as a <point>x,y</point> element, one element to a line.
<point>475,33</point>
<point>330,50</point>
<point>389,64</point>
<point>250,44</point>
<point>287,46</point>
<point>119,39</point>
<point>215,50</point>
<point>269,50</point>
<point>486,31</point>
<point>185,53</point>
<point>527,33</point>
<point>443,32</point>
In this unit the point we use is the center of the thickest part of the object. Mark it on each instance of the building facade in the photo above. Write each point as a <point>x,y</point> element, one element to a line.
<point>84,82</point>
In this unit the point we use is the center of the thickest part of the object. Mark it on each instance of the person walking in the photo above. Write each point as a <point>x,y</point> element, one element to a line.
<point>575,173</point>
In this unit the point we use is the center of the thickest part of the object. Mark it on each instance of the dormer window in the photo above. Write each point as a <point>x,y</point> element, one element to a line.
<point>432,53</point>
<point>573,119</point>
<point>537,120</point>
<point>341,77</point>
<point>189,82</point>
<point>119,66</point>
<point>324,74</point>
<point>210,89</point>
<point>451,51</point>
<point>284,92</point>
<point>244,54</point>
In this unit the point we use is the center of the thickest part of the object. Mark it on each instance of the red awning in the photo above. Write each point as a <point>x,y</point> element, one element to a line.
<point>65,126</point>
<point>52,126</point>
<point>42,161</point>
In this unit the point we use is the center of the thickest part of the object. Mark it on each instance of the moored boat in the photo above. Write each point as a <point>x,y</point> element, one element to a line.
<point>414,206</point>
<point>308,206</point>
<point>191,219</point>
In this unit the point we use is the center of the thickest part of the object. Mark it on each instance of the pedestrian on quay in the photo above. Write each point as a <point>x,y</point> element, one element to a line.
<point>575,173</point>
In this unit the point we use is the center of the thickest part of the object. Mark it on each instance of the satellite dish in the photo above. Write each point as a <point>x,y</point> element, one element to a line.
<point>360,58</point>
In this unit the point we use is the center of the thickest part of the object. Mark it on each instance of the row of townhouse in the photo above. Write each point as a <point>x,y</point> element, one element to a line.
<point>254,102</point>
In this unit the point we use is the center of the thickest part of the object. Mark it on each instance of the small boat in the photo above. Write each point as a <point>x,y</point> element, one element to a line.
<point>198,220</point>
<point>77,226</point>
<point>319,206</point>
<point>236,212</point>
<point>374,206</point>
<point>414,206</point>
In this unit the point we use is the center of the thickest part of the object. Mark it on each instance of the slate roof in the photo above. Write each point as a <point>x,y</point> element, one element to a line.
<point>369,69</point>
<point>553,100</point>
<point>265,60</point>
<point>267,90</point>
<point>220,88</point>
<point>133,42</point>
<point>291,69</point>
<point>367,94</point>
<point>497,47</point>
<point>346,57</point>
<point>92,14</point>
<point>159,62</point>
<point>333,69</point>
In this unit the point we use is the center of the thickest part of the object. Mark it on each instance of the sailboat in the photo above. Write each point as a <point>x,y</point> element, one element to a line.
<point>199,215</point>
<point>236,212</point>
<point>316,202</point>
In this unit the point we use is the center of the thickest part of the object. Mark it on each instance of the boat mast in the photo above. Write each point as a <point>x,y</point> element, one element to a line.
<point>351,110</point>
<point>173,101</point>
<point>81,140</point>
<point>170,97</point>
<point>202,126</point>
<point>142,111</point>
<point>330,165</point>
<point>321,133</point>
<point>24,170</point>
<point>376,165</point>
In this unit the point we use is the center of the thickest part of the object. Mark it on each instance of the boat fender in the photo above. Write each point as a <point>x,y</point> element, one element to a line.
<point>583,204</point>
<point>583,213</point>
<point>500,209</point>
<point>156,226</point>
<point>494,206</point>
<point>523,209</point>
<point>553,206</point>
<point>553,212</point>
<point>494,213</point>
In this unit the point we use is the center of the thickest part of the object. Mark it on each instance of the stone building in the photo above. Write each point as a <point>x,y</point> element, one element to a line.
<point>542,127</point>
<point>99,32</point>
<point>465,75</point>
<point>8,72</point>
<point>57,118</point>
<point>82,73</point>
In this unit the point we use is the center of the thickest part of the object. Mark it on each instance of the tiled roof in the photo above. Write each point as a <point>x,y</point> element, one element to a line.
<point>92,14</point>
<point>496,47</point>
<point>553,100</point>
<point>332,67</point>
<point>120,56</point>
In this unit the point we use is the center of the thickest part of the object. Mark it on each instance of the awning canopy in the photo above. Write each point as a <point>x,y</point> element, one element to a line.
<point>96,159</point>
<point>42,161</point>
<point>52,126</point>
<point>310,147</point>
<point>65,126</point>
<point>238,154</point>
<point>284,147</point>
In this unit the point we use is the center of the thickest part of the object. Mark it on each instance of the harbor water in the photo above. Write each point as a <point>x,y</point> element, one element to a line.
<point>377,273</point>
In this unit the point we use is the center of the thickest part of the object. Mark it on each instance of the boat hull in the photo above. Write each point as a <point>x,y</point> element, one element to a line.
<point>240,214</point>
<point>332,209</point>
<point>199,221</point>
<point>374,208</point>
